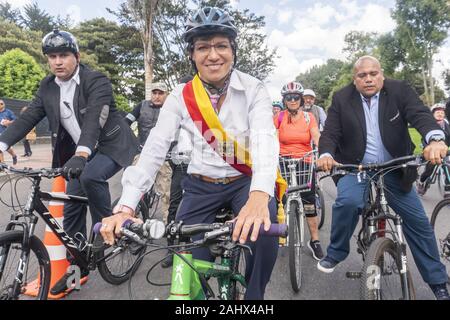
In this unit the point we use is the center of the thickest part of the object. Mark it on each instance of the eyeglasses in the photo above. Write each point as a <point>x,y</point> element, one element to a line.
<point>205,48</point>
<point>292,97</point>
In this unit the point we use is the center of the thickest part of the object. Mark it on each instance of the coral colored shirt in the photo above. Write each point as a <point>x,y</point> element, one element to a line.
<point>295,137</point>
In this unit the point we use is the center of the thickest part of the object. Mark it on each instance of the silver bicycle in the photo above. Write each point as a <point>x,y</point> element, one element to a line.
<point>298,172</point>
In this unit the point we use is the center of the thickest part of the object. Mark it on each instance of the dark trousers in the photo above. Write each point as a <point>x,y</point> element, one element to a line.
<point>351,198</point>
<point>27,147</point>
<point>93,184</point>
<point>202,200</point>
<point>179,171</point>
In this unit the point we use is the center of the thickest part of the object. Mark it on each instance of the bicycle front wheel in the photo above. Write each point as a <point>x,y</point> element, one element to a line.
<point>440,221</point>
<point>320,207</point>
<point>381,277</point>
<point>36,272</point>
<point>295,246</point>
<point>115,264</point>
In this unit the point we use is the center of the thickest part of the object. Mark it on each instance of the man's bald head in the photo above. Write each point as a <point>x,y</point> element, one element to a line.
<point>368,76</point>
<point>364,59</point>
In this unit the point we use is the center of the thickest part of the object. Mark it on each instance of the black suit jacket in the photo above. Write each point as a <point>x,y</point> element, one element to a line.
<point>102,127</point>
<point>345,134</point>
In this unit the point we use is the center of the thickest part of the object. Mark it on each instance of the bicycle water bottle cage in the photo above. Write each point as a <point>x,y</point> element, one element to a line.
<point>81,241</point>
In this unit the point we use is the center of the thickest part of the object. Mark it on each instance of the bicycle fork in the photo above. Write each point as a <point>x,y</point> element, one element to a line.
<point>401,252</point>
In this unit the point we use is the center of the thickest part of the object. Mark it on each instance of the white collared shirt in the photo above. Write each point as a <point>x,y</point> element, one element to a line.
<point>67,114</point>
<point>246,114</point>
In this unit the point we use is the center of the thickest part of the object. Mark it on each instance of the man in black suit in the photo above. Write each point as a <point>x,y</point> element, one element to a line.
<point>90,140</point>
<point>368,123</point>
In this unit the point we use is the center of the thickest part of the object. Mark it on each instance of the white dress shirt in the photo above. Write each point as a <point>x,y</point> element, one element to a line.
<point>246,115</point>
<point>67,114</point>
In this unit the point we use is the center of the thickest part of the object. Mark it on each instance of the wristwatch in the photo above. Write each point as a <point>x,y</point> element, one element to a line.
<point>122,208</point>
<point>436,138</point>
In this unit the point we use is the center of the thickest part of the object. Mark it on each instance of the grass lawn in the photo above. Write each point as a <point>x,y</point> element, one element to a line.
<point>416,138</point>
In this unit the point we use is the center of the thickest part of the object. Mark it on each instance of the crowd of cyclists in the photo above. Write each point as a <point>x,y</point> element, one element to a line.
<point>211,117</point>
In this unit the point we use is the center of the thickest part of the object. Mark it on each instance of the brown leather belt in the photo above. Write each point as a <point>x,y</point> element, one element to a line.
<point>218,180</point>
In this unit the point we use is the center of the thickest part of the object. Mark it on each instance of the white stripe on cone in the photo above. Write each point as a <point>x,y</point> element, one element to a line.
<point>56,252</point>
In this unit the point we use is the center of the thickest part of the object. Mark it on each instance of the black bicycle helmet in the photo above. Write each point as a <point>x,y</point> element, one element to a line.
<point>59,41</point>
<point>209,20</point>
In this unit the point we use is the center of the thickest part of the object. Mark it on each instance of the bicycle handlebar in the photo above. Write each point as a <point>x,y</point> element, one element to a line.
<point>45,172</point>
<point>155,229</point>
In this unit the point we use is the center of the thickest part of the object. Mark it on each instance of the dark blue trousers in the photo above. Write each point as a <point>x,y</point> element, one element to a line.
<point>93,185</point>
<point>351,198</point>
<point>202,200</point>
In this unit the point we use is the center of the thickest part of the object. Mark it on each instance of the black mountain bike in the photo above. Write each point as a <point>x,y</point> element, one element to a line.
<point>440,221</point>
<point>24,258</point>
<point>380,241</point>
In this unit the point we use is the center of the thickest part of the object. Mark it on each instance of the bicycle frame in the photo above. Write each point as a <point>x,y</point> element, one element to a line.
<point>186,284</point>
<point>35,204</point>
<point>376,211</point>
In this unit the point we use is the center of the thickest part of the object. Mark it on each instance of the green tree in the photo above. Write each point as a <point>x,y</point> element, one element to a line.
<point>36,19</point>
<point>12,36</point>
<point>358,43</point>
<point>8,13</point>
<point>322,79</point>
<point>20,75</point>
<point>422,27</point>
<point>116,51</point>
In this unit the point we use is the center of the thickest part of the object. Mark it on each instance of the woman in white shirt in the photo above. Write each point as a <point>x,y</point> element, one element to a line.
<point>243,107</point>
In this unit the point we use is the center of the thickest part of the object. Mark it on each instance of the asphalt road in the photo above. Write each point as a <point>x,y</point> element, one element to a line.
<point>316,285</point>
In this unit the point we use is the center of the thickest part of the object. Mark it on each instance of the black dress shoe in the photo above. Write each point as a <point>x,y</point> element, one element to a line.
<point>61,285</point>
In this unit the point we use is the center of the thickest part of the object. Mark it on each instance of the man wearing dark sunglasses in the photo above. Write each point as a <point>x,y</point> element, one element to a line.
<point>91,140</point>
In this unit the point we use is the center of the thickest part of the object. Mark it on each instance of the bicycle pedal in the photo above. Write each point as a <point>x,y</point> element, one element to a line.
<point>353,275</point>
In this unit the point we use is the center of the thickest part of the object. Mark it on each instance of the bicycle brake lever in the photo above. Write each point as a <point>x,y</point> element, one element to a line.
<point>245,247</point>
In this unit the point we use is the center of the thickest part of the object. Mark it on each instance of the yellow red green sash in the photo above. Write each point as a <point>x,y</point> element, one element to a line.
<point>202,112</point>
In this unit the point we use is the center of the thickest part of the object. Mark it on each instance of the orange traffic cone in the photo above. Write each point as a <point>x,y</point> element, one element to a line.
<point>56,250</point>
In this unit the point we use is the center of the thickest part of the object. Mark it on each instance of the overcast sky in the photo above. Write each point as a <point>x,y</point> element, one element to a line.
<point>305,32</point>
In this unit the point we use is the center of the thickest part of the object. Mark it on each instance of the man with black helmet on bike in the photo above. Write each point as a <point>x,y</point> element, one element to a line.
<point>219,99</point>
<point>90,140</point>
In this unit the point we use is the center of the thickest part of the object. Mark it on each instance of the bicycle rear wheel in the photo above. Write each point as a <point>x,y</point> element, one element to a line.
<point>440,221</point>
<point>320,207</point>
<point>115,264</point>
<point>381,278</point>
<point>295,246</point>
<point>36,276</point>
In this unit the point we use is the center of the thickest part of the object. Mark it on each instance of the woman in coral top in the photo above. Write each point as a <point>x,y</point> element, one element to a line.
<point>296,132</point>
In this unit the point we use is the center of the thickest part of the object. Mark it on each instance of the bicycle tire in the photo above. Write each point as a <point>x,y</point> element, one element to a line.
<point>374,258</point>
<point>295,247</point>
<point>238,266</point>
<point>441,227</point>
<point>441,181</point>
<point>320,207</point>
<point>42,271</point>
<point>107,267</point>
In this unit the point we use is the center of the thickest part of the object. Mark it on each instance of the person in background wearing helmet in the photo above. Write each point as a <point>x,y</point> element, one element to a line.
<point>90,140</point>
<point>296,131</point>
<point>309,96</point>
<point>238,104</point>
<point>277,107</point>
<point>438,111</point>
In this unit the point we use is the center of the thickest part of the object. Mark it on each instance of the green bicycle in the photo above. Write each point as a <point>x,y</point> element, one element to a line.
<point>190,276</point>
